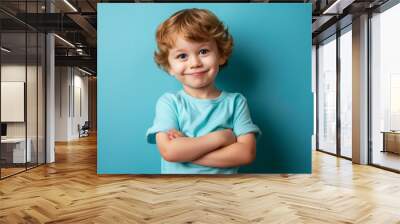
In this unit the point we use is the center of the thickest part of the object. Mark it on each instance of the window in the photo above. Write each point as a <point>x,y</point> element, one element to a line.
<point>346,92</point>
<point>385,87</point>
<point>327,95</point>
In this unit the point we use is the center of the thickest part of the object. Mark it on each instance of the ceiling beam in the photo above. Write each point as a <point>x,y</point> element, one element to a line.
<point>83,23</point>
<point>85,61</point>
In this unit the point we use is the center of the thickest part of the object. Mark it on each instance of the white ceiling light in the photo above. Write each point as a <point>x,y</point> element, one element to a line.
<point>70,5</point>
<point>5,50</point>
<point>64,40</point>
<point>86,72</point>
<point>338,6</point>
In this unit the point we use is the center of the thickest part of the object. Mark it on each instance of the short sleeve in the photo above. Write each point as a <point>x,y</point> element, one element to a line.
<point>242,123</point>
<point>165,117</point>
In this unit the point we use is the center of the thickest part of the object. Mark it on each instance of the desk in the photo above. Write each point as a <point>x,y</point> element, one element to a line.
<point>15,148</point>
<point>391,141</point>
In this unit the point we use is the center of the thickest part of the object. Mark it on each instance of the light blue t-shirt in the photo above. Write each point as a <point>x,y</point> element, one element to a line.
<point>197,117</point>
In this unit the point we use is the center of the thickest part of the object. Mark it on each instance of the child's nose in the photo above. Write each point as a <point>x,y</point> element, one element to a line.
<point>195,62</point>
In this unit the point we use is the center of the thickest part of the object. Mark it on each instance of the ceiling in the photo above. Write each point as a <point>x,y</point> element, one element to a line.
<point>76,22</point>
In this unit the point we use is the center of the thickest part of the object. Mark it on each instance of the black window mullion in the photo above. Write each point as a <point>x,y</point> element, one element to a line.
<point>338,91</point>
<point>317,96</point>
<point>37,89</point>
<point>45,94</point>
<point>26,86</point>
<point>369,90</point>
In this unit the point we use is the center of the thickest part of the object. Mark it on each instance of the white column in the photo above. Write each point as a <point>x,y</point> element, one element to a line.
<point>50,92</point>
<point>360,90</point>
<point>50,100</point>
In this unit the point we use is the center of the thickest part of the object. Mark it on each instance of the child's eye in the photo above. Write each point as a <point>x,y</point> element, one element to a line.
<point>181,56</point>
<point>204,51</point>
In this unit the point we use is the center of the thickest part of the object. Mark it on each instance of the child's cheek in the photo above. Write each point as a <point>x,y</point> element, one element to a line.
<point>181,69</point>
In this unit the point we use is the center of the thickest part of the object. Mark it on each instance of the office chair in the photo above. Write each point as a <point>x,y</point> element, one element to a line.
<point>84,130</point>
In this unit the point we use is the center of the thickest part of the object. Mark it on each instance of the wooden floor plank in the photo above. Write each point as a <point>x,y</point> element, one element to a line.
<point>70,191</point>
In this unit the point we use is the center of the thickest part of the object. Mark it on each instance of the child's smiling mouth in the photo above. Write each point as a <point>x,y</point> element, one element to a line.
<point>200,73</point>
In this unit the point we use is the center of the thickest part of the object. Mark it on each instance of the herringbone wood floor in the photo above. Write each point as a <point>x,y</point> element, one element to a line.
<point>70,191</point>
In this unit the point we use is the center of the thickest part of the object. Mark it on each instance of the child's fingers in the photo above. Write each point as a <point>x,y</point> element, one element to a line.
<point>170,136</point>
<point>173,133</point>
<point>178,134</point>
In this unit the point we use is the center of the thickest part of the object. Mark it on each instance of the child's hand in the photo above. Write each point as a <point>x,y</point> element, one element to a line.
<point>226,137</point>
<point>173,133</point>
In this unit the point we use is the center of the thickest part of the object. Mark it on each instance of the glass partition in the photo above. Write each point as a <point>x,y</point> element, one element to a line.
<point>22,77</point>
<point>14,153</point>
<point>32,95</point>
<point>327,95</point>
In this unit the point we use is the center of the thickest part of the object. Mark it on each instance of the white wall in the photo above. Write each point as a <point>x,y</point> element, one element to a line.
<point>9,73</point>
<point>62,81</point>
<point>33,126</point>
<point>71,102</point>
<point>79,110</point>
<point>15,72</point>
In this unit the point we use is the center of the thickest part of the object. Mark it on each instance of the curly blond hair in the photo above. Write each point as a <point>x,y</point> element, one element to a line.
<point>198,25</point>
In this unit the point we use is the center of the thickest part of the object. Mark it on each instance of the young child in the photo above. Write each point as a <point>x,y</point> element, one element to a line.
<point>200,129</point>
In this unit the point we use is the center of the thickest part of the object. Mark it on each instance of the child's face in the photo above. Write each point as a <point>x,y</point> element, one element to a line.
<point>194,64</point>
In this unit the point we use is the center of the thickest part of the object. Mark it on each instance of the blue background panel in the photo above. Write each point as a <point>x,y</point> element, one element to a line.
<point>270,66</point>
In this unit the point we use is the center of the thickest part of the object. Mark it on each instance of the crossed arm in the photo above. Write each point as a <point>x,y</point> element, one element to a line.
<point>217,149</point>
